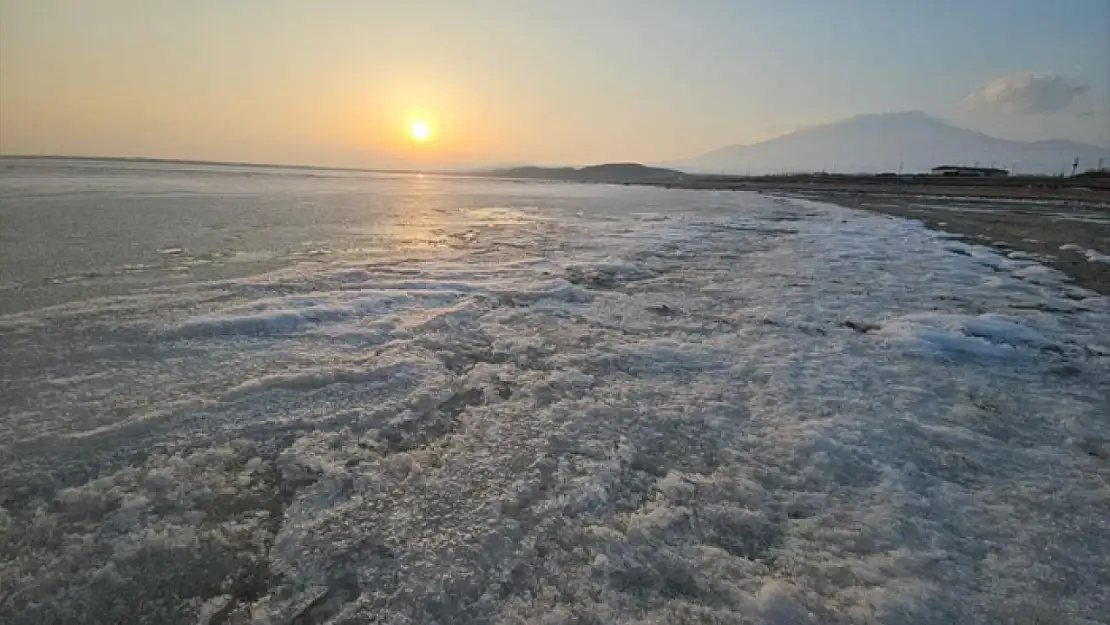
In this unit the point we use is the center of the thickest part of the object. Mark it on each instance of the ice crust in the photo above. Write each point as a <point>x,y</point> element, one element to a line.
<point>721,408</point>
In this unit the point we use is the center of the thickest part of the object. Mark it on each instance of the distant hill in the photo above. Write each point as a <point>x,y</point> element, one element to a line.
<point>608,172</point>
<point>879,143</point>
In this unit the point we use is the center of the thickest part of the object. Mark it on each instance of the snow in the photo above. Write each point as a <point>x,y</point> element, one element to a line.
<point>1093,256</point>
<point>622,406</point>
<point>1096,257</point>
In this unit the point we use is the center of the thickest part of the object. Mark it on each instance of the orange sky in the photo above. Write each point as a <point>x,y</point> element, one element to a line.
<point>335,82</point>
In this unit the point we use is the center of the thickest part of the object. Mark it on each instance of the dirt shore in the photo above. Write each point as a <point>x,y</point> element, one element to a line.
<point>1067,229</point>
<point>1088,189</point>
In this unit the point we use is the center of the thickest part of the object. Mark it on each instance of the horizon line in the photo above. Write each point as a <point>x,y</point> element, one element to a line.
<point>196,161</point>
<point>487,169</point>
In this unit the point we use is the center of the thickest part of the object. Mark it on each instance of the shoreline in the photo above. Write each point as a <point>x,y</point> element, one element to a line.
<point>1090,190</point>
<point>1063,223</point>
<point>1068,235</point>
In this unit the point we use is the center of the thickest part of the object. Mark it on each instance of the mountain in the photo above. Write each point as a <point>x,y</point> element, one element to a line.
<point>608,172</point>
<point>880,143</point>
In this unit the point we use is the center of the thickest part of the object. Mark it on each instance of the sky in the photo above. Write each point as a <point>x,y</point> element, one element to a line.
<point>338,82</point>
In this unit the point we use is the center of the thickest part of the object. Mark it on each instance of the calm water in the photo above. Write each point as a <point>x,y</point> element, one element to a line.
<point>256,395</point>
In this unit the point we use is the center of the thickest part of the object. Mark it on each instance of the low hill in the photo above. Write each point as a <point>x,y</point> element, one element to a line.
<point>608,172</point>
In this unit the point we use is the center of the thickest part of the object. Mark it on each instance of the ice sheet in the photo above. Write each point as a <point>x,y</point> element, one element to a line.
<point>675,407</point>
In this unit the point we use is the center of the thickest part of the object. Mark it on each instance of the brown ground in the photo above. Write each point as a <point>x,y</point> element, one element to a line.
<point>1032,220</point>
<point>1088,188</point>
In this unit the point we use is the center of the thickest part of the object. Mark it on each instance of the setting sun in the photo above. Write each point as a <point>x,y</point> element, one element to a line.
<point>420,130</point>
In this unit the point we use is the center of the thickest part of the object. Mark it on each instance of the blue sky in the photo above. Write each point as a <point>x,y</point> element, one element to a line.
<point>336,81</point>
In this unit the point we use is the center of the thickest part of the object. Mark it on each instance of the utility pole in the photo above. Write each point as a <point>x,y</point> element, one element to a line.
<point>1074,167</point>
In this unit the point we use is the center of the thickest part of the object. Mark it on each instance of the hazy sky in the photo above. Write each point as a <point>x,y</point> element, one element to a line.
<point>558,81</point>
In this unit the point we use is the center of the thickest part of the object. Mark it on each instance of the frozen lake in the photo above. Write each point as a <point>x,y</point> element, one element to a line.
<point>244,395</point>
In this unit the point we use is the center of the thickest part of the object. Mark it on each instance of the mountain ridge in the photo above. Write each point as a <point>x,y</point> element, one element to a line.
<point>912,141</point>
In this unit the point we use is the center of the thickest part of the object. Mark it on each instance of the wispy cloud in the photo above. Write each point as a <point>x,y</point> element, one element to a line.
<point>1026,94</point>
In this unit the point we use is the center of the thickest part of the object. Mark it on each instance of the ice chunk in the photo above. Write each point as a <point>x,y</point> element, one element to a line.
<point>960,336</point>
<point>1003,330</point>
<point>1095,256</point>
<point>274,322</point>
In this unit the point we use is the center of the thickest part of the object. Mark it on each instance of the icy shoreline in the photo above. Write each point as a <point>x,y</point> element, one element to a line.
<point>745,409</point>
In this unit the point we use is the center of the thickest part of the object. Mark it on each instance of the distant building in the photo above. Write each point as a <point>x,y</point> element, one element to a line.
<point>970,172</point>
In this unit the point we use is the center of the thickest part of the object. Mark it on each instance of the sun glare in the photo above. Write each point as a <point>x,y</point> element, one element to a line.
<point>420,130</point>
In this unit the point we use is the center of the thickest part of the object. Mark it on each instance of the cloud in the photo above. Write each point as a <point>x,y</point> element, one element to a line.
<point>1026,94</point>
<point>1084,114</point>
